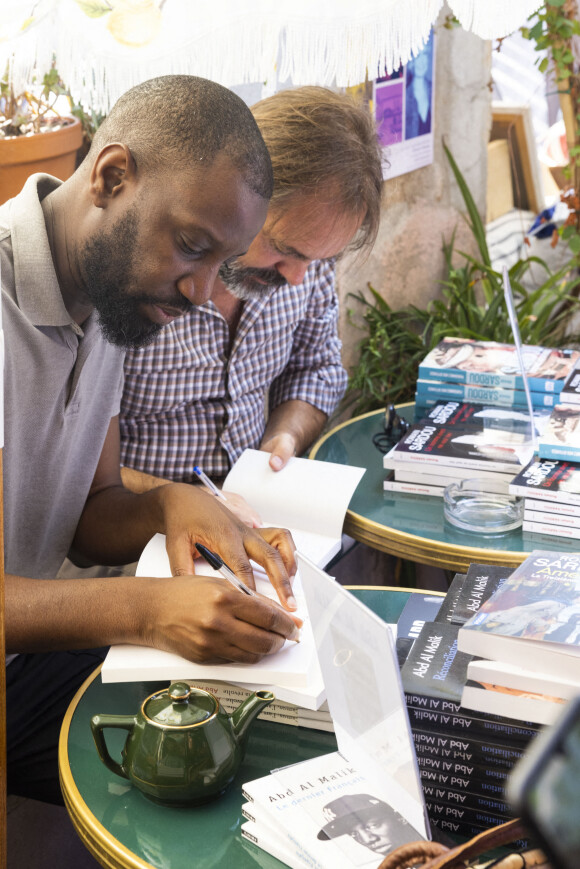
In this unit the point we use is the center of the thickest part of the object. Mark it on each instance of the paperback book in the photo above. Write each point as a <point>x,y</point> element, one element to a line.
<point>570,393</point>
<point>442,750</point>
<point>534,617</point>
<point>518,677</point>
<point>549,480</point>
<point>546,529</point>
<point>440,474</point>
<point>432,389</point>
<point>419,609</point>
<point>512,702</point>
<point>481,581</point>
<point>491,364</point>
<point>552,518</point>
<point>413,488</point>
<point>552,508</point>
<point>561,438</point>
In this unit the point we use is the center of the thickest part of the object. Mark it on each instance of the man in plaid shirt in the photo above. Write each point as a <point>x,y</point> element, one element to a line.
<point>259,364</point>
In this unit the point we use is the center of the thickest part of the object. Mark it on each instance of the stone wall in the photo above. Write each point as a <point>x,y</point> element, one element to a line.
<point>425,205</point>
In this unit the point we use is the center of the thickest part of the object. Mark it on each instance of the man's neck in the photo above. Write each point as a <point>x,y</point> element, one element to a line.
<point>229,307</point>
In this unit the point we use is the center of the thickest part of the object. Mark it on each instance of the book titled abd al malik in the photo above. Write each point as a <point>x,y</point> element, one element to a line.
<point>533,619</point>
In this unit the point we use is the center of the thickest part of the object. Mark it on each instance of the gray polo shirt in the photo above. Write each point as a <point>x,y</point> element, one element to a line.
<point>62,385</point>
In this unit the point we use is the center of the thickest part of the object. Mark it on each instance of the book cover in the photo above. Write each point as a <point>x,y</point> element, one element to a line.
<point>491,364</point>
<point>434,667</point>
<point>534,617</point>
<point>447,608</point>
<point>490,449</point>
<point>570,393</point>
<point>512,702</point>
<point>329,811</point>
<point>548,479</point>
<point>561,438</point>
<point>515,398</point>
<point>481,581</point>
<point>551,530</point>
<point>420,608</point>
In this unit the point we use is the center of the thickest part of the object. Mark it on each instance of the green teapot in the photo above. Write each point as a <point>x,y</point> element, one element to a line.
<point>182,747</point>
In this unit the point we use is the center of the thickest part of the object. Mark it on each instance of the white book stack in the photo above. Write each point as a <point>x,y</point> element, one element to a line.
<point>551,492</point>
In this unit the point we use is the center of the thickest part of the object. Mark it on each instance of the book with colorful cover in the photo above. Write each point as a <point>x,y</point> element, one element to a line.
<point>491,364</point>
<point>561,438</point>
<point>549,480</point>
<point>534,617</point>
<point>516,398</point>
<point>481,581</point>
<point>570,393</point>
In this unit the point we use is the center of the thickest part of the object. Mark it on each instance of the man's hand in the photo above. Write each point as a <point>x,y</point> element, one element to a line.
<point>240,508</point>
<point>191,515</point>
<point>206,620</point>
<point>282,447</point>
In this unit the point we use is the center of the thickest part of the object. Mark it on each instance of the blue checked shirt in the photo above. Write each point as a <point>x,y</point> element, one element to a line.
<point>188,400</point>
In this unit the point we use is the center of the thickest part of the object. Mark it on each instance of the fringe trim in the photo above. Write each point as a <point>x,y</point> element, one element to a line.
<point>234,42</point>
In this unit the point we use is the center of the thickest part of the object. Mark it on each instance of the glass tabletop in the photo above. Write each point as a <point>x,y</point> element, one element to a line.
<point>122,828</point>
<point>413,526</point>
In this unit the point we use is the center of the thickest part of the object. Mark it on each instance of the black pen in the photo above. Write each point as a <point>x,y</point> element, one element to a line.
<point>214,560</point>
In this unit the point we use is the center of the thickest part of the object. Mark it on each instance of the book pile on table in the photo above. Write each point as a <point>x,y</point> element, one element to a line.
<point>551,491</point>
<point>457,440</point>
<point>464,756</point>
<point>486,372</point>
<point>526,637</point>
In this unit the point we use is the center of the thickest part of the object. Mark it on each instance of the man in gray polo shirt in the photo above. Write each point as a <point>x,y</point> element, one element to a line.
<point>176,183</point>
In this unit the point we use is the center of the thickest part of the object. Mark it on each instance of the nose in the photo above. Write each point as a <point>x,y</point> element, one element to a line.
<point>197,286</point>
<point>292,271</point>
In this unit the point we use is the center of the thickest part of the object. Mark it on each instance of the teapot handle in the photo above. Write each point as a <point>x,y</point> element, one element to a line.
<point>98,723</point>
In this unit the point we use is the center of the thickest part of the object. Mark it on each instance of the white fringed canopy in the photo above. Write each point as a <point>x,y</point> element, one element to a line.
<point>104,47</point>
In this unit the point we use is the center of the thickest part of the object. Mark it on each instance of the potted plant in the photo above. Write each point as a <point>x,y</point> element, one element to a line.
<point>34,137</point>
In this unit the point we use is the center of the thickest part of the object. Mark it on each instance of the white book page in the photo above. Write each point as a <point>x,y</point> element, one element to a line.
<point>294,666</point>
<point>307,495</point>
<point>365,696</point>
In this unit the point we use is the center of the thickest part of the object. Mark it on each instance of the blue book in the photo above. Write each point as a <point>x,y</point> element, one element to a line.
<point>490,364</point>
<point>433,390</point>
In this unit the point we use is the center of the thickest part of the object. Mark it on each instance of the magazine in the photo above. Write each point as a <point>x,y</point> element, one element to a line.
<point>550,480</point>
<point>561,438</point>
<point>488,363</point>
<point>534,617</point>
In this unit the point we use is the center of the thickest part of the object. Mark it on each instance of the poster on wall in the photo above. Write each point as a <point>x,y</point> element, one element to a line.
<point>403,104</point>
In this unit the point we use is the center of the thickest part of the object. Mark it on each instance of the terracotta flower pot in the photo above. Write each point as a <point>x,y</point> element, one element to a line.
<point>53,151</point>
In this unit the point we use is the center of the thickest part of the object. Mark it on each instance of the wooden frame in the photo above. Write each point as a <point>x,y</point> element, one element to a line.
<point>514,123</point>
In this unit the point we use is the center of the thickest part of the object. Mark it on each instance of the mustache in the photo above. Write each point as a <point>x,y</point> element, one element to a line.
<point>236,274</point>
<point>179,303</point>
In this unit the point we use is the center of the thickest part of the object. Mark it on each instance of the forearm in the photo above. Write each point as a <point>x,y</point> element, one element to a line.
<point>299,419</point>
<point>139,481</point>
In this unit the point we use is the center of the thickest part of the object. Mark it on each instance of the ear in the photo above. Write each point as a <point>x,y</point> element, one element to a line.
<point>114,168</point>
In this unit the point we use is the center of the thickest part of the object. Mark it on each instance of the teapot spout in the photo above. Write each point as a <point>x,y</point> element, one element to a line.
<point>243,716</point>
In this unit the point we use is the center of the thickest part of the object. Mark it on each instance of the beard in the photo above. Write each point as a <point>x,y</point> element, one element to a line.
<point>241,281</point>
<point>107,264</point>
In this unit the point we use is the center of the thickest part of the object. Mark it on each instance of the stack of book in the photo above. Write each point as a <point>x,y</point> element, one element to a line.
<point>458,440</point>
<point>570,393</point>
<point>527,639</point>
<point>551,492</point>
<point>485,372</point>
<point>464,757</point>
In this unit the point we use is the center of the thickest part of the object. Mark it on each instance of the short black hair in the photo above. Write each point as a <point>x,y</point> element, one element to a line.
<point>182,121</point>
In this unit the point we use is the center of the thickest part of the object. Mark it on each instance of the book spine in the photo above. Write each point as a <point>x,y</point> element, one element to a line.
<point>560,452</point>
<point>470,784</point>
<point>544,494</point>
<point>466,799</point>
<point>568,396</point>
<point>413,488</point>
<point>551,518</point>
<point>489,380</point>
<point>458,813</point>
<point>546,528</point>
<point>272,845</point>
<point>482,395</point>
<point>467,830</point>
<point>552,508</point>
<point>464,722</point>
<point>442,751</point>
<point>404,472</point>
<point>509,469</point>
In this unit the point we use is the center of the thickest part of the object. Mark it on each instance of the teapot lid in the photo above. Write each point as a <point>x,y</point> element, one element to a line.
<point>180,706</point>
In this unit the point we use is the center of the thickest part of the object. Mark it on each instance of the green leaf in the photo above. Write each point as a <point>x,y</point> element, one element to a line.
<point>94,8</point>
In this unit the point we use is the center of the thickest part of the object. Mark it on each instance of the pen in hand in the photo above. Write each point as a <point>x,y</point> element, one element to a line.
<point>218,564</point>
<point>203,477</point>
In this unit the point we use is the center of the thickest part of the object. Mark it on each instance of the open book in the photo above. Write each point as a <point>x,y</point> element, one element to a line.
<point>309,498</point>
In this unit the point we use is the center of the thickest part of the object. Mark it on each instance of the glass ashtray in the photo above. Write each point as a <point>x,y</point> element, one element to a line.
<point>482,506</point>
